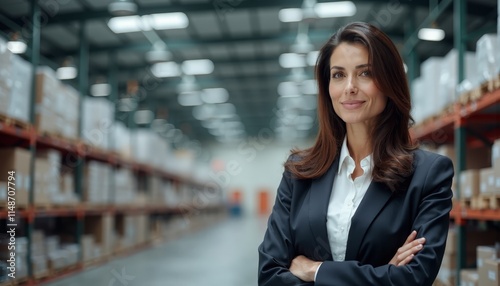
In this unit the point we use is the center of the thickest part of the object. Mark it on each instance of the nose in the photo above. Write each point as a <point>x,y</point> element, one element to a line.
<point>351,87</point>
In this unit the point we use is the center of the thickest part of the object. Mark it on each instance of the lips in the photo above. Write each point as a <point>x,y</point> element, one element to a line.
<point>352,104</point>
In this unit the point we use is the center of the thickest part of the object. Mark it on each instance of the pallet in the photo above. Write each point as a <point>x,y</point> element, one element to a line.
<point>14,282</point>
<point>60,137</point>
<point>13,122</point>
<point>467,203</point>
<point>40,276</point>
<point>478,92</point>
<point>488,202</point>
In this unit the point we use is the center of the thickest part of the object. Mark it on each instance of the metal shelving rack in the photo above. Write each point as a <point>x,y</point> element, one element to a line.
<point>457,127</point>
<point>28,138</point>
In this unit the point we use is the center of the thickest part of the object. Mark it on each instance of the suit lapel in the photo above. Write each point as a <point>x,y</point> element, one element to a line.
<point>319,197</point>
<point>372,203</point>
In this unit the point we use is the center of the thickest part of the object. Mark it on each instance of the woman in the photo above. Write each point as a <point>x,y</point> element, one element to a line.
<point>349,209</point>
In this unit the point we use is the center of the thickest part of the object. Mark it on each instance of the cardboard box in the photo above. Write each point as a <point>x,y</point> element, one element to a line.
<point>484,253</point>
<point>469,277</point>
<point>476,158</point>
<point>87,243</point>
<point>18,160</point>
<point>46,180</point>
<point>491,276</point>
<point>101,228</point>
<point>495,156</point>
<point>488,182</point>
<point>469,183</point>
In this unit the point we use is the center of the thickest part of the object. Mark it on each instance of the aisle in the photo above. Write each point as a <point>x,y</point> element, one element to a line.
<point>222,255</point>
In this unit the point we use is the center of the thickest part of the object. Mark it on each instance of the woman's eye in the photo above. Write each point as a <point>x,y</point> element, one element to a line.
<point>337,75</point>
<point>366,73</point>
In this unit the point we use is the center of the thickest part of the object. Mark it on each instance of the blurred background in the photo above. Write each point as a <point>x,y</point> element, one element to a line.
<point>146,138</point>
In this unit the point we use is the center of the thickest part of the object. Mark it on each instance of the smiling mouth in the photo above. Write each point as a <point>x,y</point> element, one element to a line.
<point>352,104</point>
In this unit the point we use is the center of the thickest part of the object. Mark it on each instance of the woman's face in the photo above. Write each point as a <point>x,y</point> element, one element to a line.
<point>355,97</point>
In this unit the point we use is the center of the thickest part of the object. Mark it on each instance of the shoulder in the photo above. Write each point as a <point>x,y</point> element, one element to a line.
<point>425,159</point>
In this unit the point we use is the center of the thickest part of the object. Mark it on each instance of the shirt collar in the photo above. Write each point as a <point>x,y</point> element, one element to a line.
<point>344,155</point>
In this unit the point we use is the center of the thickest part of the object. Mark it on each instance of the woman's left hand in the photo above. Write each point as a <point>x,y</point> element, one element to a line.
<point>304,268</point>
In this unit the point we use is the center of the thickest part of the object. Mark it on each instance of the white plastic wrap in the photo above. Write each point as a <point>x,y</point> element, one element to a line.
<point>98,117</point>
<point>487,57</point>
<point>6,81</point>
<point>120,141</point>
<point>20,94</point>
<point>448,79</point>
<point>419,100</point>
<point>430,74</point>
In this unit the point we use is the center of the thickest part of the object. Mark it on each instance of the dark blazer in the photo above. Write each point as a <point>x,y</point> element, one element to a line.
<point>381,224</point>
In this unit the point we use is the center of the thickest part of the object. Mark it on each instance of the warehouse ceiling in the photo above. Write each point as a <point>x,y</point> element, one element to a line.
<point>243,38</point>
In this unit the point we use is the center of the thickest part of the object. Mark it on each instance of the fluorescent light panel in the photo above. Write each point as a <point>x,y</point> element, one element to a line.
<point>100,89</point>
<point>64,73</point>
<point>165,69</point>
<point>189,99</point>
<point>162,21</point>
<point>431,34</point>
<point>290,15</point>
<point>215,95</point>
<point>17,47</point>
<point>198,67</point>
<point>335,9</point>
<point>292,60</point>
<point>322,10</point>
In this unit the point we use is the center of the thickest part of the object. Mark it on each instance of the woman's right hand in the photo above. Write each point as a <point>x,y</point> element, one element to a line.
<point>406,252</point>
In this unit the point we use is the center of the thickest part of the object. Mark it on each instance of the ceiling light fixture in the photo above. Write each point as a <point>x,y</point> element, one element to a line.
<point>292,60</point>
<point>321,10</point>
<point>67,70</point>
<point>159,53</point>
<point>16,45</point>
<point>215,95</point>
<point>431,34</point>
<point>100,89</point>
<point>165,69</point>
<point>163,21</point>
<point>190,98</point>
<point>335,9</point>
<point>197,67</point>
<point>143,117</point>
<point>122,7</point>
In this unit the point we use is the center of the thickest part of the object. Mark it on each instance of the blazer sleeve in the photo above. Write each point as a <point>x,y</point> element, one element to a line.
<point>276,251</point>
<point>431,222</point>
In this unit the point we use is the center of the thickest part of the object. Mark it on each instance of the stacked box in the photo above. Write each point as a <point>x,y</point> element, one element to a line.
<point>87,243</point>
<point>121,140</point>
<point>18,160</point>
<point>67,111</point>
<point>46,181</point>
<point>469,183</point>
<point>430,74</point>
<point>72,252</point>
<point>101,229</point>
<point>96,130</point>
<point>97,182</point>
<point>487,58</point>
<point>20,94</point>
<point>6,76</point>
<point>484,254</point>
<point>56,105</point>
<point>448,78</point>
<point>495,162</point>
<point>488,185</point>
<point>469,277</point>
<point>66,196</point>
<point>492,269</point>
<point>126,187</point>
<point>47,88</point>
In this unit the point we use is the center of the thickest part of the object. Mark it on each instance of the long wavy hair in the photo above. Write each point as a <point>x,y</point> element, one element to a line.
<point>392,144</point>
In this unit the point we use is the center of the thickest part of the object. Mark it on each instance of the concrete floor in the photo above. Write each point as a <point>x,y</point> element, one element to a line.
<point>224,254</point>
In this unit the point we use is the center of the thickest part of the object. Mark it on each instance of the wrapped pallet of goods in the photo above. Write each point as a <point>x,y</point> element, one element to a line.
<point>20,93</point>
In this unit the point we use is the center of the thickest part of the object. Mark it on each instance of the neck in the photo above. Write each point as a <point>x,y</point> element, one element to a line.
<point>358,141</point>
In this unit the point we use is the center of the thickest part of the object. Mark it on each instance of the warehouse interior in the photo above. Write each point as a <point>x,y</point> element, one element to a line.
<point>146,138</point>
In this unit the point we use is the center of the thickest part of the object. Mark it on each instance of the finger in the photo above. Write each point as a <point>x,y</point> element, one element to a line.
<point>406,260</point>
<point>411,237</point>
<point>410,252</point>
<point>412,244</point>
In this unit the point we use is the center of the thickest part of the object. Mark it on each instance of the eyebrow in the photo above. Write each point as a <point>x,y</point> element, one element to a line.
<point>357,67</point>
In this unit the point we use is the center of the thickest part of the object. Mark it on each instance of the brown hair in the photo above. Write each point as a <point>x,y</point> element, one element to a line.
<point>392,144</point>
